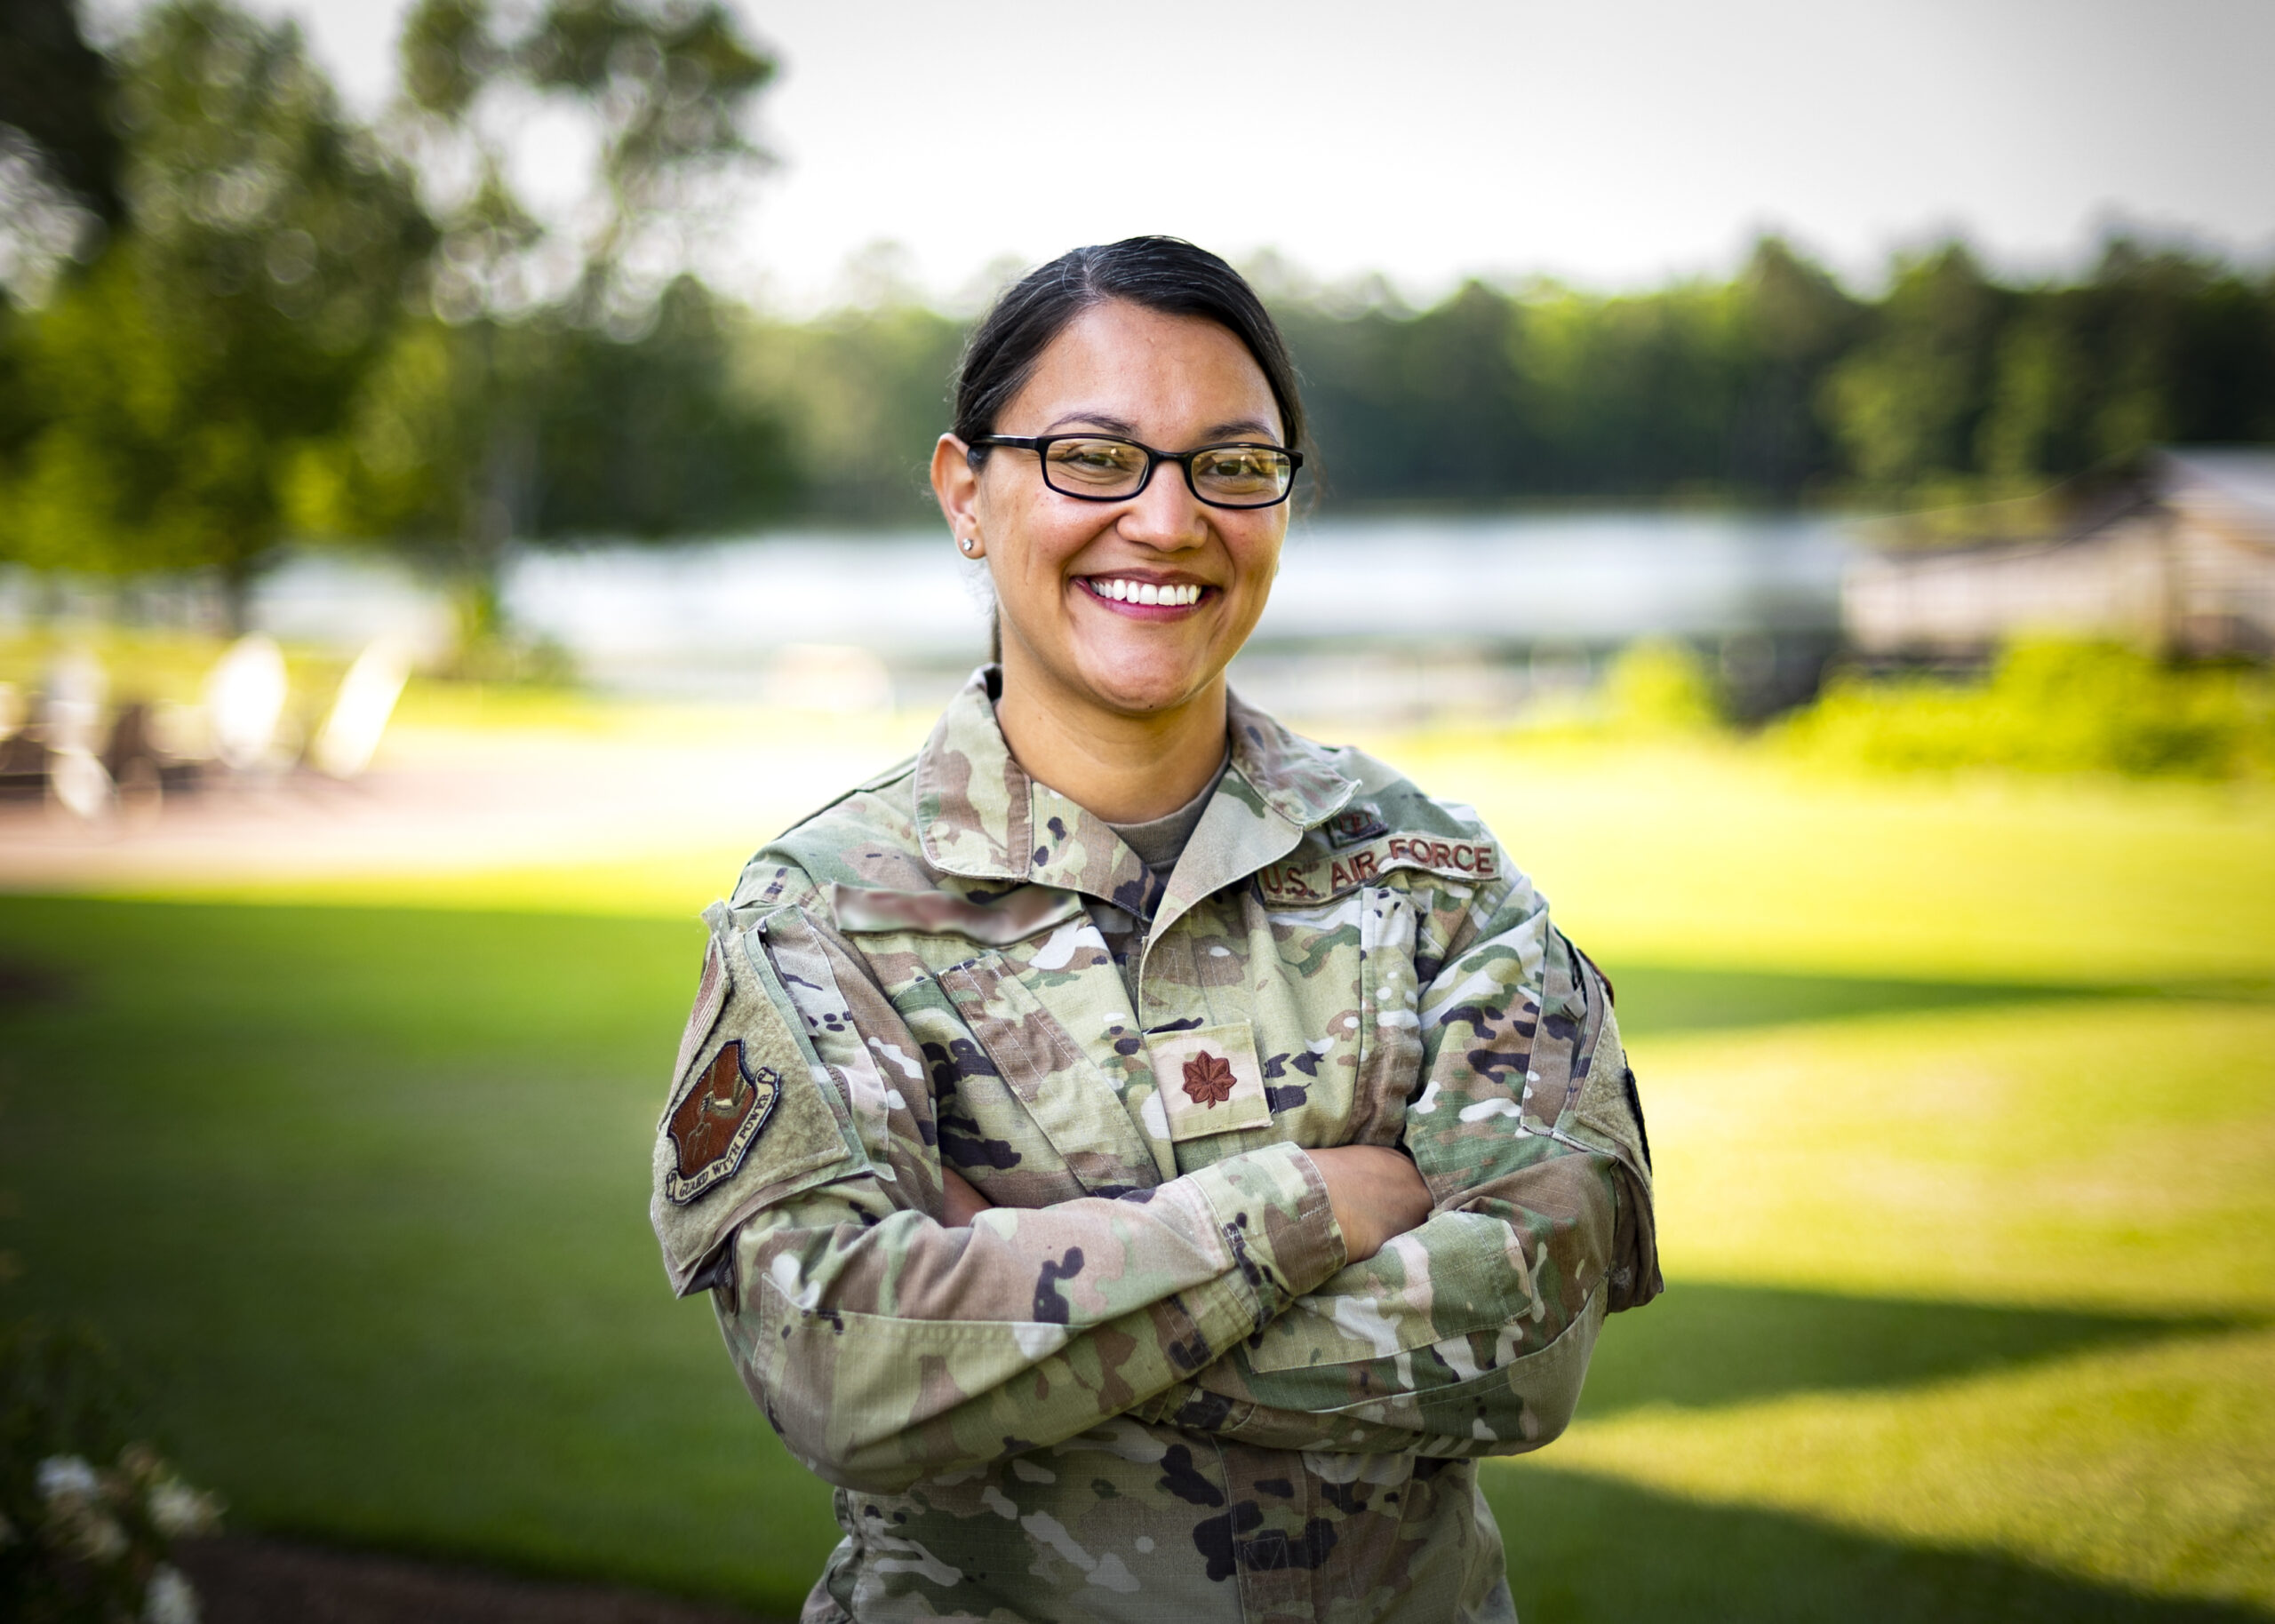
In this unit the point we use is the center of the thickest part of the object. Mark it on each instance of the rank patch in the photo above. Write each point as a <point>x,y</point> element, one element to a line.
<point>713,1128</point>
<point>1208,1080</point>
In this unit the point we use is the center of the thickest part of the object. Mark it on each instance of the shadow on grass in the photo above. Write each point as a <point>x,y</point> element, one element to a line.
<point>1585,1549</point>
<point>1656,999</point>
<point>1716,1344</point>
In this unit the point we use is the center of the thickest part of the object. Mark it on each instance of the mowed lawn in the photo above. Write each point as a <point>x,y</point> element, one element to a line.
<point>1967,1200</point>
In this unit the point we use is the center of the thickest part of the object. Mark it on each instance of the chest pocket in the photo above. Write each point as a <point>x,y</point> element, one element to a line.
<point>1308,992</point>
<point>1025,1032</point>
<point>1052,1082</point>
<point>1337,1029</point>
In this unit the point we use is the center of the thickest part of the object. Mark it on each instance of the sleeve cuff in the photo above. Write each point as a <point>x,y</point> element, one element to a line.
<point>1270,1207</point>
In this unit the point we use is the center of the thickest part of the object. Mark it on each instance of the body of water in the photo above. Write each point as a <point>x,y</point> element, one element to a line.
<point>1509,598</point>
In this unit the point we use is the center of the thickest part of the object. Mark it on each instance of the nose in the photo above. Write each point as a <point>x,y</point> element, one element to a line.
<point>1165,516</point>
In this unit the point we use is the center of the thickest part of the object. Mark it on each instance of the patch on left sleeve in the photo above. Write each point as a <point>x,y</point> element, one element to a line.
<point>713,1127</point>
<point>751,1121</point>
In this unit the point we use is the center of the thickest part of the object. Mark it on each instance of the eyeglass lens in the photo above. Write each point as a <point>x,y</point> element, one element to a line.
<point>1236,475</point>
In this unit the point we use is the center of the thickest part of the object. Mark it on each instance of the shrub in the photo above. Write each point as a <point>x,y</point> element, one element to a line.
<point>80,1541</point>
<point>2052,705</point>
<point>1657,686</point>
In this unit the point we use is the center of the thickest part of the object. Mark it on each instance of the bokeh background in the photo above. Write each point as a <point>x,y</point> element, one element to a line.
<point>1806,474</point>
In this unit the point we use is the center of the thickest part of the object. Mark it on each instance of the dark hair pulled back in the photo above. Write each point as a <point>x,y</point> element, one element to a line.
<point>1163,273</point>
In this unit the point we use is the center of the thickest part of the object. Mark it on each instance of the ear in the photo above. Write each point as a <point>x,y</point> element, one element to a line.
<point>956,486</point>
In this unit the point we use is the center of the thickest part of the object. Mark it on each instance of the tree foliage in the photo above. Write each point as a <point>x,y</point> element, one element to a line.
<point>561,382</point>
<point>1779,385</point>
<point>55,90</point>
<point>860,396</point>
<point>664,89</point>
<point>303,328</point>
<point>222,334</point>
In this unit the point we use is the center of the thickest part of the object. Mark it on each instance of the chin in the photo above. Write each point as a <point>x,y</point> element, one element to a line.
<point>1148,688</point>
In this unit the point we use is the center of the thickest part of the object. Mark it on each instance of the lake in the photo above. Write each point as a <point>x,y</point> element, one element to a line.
<point>1475,603</point>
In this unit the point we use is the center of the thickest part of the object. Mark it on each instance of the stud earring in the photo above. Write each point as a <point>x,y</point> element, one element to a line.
<point>969,544</point>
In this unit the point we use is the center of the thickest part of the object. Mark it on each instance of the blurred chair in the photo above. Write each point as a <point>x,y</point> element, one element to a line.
<point>144,759</point>
<point>245,700</point>
<point>350,734</point>
<point>71,717</point>
<point>23,758</point>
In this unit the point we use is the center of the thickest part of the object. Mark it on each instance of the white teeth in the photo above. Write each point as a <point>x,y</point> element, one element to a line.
<point>1145,592</point>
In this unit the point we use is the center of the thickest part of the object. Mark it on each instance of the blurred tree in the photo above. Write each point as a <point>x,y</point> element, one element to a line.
<point>1421,406</point>
<point>665,91</point>
<point>653,438</point>
<point>1545,391</point>
<point>663,88</point>
<point>2186,351</point>
<point>1963,386</point>
<point>1635,395</point>
<point>1907,404</point>
<point>55,90</point>
<point>58,152</point>
<point>2039,375</point>
<point>1797,321</point>
<point>220,337</point>
<point>860,396</point>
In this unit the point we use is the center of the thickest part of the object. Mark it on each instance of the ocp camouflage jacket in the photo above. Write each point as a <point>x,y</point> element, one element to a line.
<point>1144,1385</point>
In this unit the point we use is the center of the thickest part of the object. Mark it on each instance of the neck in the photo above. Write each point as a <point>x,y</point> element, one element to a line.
<point>1126,769</point>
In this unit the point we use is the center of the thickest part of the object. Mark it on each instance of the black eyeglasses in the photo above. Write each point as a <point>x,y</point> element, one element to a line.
<point>1103,468</point>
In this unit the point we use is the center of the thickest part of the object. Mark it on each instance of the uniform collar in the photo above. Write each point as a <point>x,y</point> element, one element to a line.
<point>980,816</point>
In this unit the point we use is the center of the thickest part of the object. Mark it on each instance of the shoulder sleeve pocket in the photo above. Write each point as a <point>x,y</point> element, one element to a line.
<point>750,1119</point>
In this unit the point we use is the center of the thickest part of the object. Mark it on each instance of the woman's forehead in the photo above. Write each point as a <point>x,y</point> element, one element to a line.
<point>1123,368</point>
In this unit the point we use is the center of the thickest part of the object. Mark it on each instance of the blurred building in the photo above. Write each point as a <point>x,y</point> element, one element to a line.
<point>2181,561</point>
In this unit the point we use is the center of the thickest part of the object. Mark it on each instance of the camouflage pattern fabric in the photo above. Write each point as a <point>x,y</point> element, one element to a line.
<point>1144,1386</point>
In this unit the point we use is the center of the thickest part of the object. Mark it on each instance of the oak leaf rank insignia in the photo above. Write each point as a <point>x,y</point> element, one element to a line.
<point>1209,1080</point>
<point>713,1128</point>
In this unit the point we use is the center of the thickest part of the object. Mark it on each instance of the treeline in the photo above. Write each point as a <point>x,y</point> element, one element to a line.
<point>236,319</point>
<point>1777,386</point>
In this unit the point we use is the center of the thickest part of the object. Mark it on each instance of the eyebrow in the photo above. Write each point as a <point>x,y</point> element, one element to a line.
<point>1213,433</point>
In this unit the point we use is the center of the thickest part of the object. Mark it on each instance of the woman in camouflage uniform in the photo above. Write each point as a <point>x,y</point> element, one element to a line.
<point>1144,1157</point>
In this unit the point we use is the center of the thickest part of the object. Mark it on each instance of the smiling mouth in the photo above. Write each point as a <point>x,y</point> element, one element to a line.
<point>1149,594</point>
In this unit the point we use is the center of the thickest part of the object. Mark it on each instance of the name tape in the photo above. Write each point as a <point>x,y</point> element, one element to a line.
<point>1314,879</point>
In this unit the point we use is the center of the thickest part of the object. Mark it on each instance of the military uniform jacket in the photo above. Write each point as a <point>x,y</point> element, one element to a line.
<point>1145,1386</point>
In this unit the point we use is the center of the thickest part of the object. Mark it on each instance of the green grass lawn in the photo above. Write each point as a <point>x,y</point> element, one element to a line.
<point>1971,1248</point>
<point>1988,1283</point>
<point>362,1193</point>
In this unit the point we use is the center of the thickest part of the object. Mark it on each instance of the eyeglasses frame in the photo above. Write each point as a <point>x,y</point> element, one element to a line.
<point>1040,444</point>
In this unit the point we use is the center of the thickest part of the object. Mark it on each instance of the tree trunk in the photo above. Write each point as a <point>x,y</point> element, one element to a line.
<point>237,579</point>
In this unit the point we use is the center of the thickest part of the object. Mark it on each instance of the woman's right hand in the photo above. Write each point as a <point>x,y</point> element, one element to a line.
<point>1374,1192</point>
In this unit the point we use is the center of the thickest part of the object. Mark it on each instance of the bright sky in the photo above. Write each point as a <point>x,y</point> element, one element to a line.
<point>1611,142</point>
